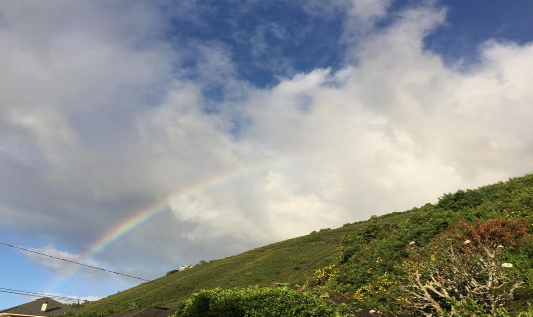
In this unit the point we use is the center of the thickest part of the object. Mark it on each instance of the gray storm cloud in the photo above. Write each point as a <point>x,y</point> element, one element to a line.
<point>96,125</point>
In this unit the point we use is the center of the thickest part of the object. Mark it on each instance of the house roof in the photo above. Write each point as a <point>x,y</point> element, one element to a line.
<point>146,312</point>
<point>54,308</point>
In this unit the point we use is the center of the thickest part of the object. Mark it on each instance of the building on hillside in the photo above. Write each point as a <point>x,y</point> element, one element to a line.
<point>147,312</point>
<point>184,267</point>
<point>42,307</point>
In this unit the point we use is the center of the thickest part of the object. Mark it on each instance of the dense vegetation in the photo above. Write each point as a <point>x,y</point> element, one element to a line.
<point>370,267</point>
<point>386,261</point>
<point>253,301</point>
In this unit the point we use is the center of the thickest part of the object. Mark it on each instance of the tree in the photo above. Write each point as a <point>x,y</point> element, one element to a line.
<point>463,269</point>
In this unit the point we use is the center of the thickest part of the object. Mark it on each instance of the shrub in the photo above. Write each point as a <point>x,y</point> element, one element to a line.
<point>464,270</point>
<point>253,301</point>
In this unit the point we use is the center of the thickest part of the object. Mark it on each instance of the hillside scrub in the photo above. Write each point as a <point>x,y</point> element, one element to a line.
<point>464,270</point>
<point>253,301</point>
<point>369,270</point>
<point>361,264</point>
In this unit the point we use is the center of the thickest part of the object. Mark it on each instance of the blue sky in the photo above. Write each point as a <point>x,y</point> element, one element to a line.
<point>244,122</point>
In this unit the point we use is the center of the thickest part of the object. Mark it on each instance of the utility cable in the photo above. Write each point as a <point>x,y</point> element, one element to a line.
<point>58,297</point>
<point>103,301</point>
<point>74,262</point>
<point>33,294</point>
<point>66,298</point>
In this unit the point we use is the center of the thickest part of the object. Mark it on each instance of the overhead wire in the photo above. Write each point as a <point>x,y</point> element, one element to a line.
<point>34,294</point>
<point>74,262</point>
<point>62,298</point>
<point>102,301</point>
<point>67,298</point>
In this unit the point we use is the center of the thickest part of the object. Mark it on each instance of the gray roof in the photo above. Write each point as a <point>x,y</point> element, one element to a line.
<point>54,308</point>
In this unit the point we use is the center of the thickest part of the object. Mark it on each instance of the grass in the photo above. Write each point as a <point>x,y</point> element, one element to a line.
<point>290,261</point>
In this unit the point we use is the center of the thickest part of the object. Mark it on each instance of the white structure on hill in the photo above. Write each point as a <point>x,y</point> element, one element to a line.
<point>184,267</point>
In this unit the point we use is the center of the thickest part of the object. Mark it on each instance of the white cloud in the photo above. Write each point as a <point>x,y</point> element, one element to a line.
<point>69,299</point>
<point>53,263</point>
<point>395,131</point>
<point>97,123</point>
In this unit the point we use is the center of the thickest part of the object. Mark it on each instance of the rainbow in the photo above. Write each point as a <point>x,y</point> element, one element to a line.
<point>142,216</point>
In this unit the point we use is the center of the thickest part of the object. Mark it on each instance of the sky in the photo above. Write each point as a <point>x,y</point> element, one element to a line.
<point>139,136</point>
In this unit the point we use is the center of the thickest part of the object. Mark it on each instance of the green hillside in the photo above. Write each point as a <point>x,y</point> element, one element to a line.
<point>287,261</point>
<point>351,258</point>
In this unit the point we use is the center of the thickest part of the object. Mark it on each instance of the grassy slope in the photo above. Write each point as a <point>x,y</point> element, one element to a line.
<point>292,260</point>
<point>286,261</point>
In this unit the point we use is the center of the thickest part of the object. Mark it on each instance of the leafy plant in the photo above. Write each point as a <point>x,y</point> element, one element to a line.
<point>464,270</point>
<point>253,301</point>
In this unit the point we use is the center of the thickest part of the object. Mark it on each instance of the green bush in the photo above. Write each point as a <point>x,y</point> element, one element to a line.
<point>372,252</point>
<point>253,301</point>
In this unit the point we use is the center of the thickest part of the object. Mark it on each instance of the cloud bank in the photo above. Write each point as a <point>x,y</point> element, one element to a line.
<point>72,299</point>
<point>102,114</point>
<point>64,267</point>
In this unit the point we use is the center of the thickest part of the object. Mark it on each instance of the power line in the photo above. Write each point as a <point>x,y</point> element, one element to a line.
<point>103,301</point>
<point>66,298</point>
<point>58,297</point>
<point>74,262</point>
<point>33,294</point>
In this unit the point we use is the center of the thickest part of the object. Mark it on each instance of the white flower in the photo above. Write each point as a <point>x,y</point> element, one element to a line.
<point>412,243</point>
<point>507,265</point>
<point>467,241</point>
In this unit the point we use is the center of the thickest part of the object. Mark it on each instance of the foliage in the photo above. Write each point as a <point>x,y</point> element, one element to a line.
<point>527,312</point>
<point>359,254</point>
<point>378,291</point>
<point>325,274</point>
<point>464,270</point>
<point>253,301</point>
